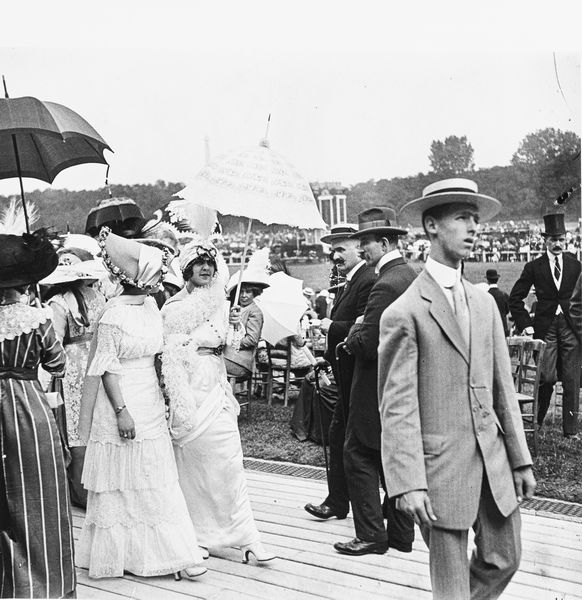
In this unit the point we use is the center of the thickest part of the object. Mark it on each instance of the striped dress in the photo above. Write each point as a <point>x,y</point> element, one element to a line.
<point>36,541</point>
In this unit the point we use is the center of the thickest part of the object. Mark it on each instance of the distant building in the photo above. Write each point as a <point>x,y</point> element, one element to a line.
<point>331,203</point>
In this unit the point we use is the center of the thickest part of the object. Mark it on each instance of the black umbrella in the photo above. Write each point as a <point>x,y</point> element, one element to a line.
<point>39,139</point>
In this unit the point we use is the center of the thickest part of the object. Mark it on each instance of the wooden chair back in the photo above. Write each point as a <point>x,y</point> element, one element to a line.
<point>527,357</point>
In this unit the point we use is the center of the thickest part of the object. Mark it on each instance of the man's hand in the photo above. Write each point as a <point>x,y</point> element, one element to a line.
<point>417,505</point>
<point>325,324</point>
<point>528,331</point>
<point>525,483</point>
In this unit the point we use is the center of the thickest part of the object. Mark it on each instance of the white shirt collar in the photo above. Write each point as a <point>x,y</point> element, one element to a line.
<point>445,276</point>
<point>493,285</point>
<point>387,258</point>
<point>552,258</point>
<point>354,269</point>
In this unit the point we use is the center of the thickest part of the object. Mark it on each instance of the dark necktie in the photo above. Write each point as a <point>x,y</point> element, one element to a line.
<point>557,270</point>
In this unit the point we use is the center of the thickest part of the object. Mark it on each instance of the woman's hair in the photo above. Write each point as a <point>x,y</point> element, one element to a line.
<point>254,289</point>
<point>187,272</point>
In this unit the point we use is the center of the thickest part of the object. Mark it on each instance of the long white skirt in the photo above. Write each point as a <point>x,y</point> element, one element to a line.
<point>136,519</point>
<point>211,475</point>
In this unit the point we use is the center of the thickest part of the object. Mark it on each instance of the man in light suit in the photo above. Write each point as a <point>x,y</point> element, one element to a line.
<point>362,462</point>
<point>350,303</point>
<point>453,447</point>
<point>554,276</point>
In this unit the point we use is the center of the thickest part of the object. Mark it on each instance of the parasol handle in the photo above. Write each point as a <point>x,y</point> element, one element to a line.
<point>242,264</point>
<point>5,88</point>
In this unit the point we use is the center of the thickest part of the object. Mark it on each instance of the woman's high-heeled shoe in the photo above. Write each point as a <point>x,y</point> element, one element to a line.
<point>258,551</point>
<point>190,573</point>
<point>204,551</point>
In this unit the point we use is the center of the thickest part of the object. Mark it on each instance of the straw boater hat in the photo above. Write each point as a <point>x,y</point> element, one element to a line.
<point>339,231</point>
<point>26,258</point>
<point>377,220</point>
<point>133,263</point>
<point>450,191</point>
<point>554,224</point>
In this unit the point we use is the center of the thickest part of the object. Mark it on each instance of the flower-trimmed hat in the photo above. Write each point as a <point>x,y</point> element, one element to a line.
<point>133,263</point>
<point>26,258</point>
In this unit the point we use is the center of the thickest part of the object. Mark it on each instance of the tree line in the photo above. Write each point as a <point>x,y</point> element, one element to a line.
<point>545,165</point>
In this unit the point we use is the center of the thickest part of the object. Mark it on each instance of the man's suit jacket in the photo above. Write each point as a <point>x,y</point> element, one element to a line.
<point>576,308</point>
<point>538,273</point>
<point>502,301</point>
<point>394,278</point>
<point>348,307</point>
<point>448,412</point>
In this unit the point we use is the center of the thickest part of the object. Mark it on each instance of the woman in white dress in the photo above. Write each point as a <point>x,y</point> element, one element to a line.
<point>137,519</point>
<point>203,410</point>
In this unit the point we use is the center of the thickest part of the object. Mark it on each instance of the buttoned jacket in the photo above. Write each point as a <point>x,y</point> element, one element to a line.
<point>449,412</point>
<point>538,273</point>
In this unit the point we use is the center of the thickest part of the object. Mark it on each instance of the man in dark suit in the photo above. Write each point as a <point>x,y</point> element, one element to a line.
<point>349,304</point>
<point>554,276</point>
<point>362,460</point>
<point>501,298</point>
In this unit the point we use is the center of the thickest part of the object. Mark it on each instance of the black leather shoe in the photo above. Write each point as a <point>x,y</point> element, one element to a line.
<point>400,547</point>
<point>322,511</point>
<point>357,547</point>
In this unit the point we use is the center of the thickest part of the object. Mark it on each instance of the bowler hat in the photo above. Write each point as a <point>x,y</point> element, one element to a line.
<point>492,275</point>
<point>339,231</point>
<point>450,191</point>
<point>377,220</point>
<point>554,224</point>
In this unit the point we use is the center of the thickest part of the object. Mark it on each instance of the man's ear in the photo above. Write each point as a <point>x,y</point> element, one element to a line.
<point>430,224</point>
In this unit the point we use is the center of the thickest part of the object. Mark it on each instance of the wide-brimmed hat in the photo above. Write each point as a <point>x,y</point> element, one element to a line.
<point>379,219</point>
<point>253,278</point>
<point>450,191</point>
<point>339,231</point>
<point>156,243</point>
<point>70,273</point>
<point>554,224</point>
<point>133,263</point>
<point>26,258</point>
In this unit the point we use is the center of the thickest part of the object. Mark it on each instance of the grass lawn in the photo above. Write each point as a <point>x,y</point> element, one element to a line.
<point>558,466</point>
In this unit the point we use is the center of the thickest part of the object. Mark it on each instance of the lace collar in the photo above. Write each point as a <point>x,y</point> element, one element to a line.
<point>16,319</point>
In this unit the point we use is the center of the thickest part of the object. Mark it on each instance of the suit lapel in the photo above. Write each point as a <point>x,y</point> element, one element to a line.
<point>476,316</point>
<point>442,313</point>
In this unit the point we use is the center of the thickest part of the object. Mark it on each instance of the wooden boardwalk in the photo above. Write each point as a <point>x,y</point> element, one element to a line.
<point>308,567</point>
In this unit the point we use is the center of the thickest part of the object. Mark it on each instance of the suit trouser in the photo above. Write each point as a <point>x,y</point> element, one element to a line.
<point>338,498</point>
<point>363,469</point>
<point>562,344</point>
<point>493,562</point>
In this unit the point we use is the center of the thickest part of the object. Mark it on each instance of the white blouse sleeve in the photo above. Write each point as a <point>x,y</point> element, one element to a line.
<point>106,358</point>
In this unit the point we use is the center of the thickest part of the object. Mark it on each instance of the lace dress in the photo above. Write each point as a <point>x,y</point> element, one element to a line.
<point>136,519</point>
<point>76,339</point>
<point>203,420</point>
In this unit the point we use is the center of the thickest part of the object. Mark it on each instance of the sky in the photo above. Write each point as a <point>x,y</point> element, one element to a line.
<point>354,93</point>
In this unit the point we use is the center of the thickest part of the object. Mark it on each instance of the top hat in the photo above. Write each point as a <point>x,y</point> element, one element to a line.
<point>554,224</point>
<point>492,275</point>
<point>377,220</point>
<point>26,259</point>
<point>133,263</point>
<point>339,231</point>
<point>450,191</point>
